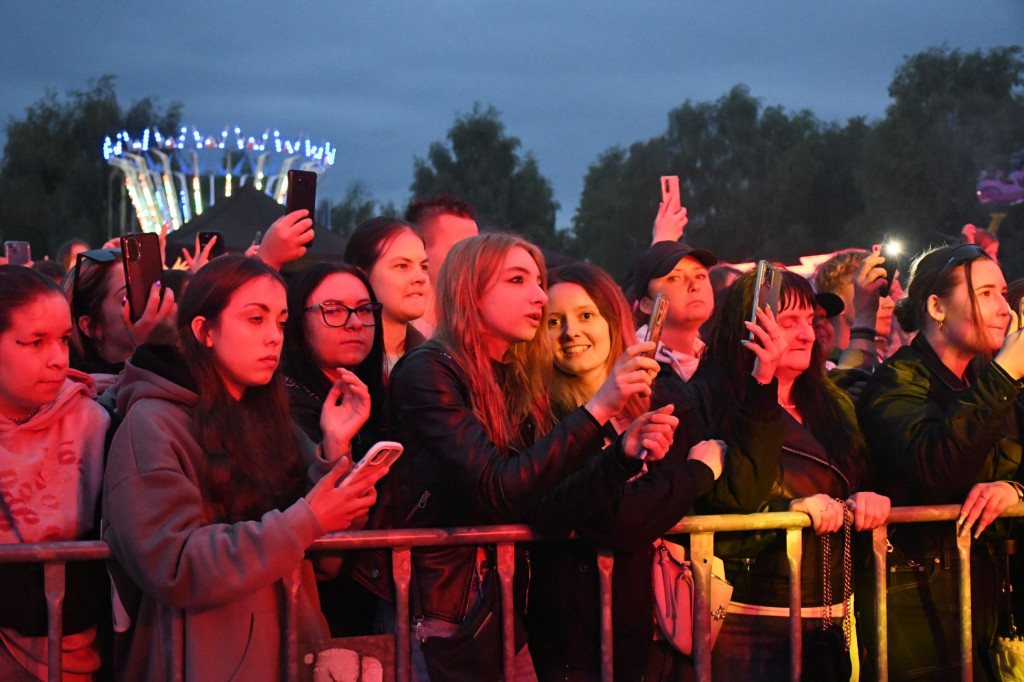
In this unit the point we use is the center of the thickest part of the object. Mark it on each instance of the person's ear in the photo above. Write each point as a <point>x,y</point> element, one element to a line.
<point>88,330</point>
<point>202,331</point>
<point>936,309</point>
<point>646,305</point>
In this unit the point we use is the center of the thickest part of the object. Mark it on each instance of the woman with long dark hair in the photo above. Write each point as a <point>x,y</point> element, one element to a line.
<point>205,498</point>
<point>810,458</point>
<point>942,418</point>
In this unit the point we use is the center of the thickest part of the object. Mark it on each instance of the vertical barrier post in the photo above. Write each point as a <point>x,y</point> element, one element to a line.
<point>54,578</point>
<point>401,564</point>
<point>506,571</point>
<point>794,553</point>
<point>963,548</point>
<point>290,583</point>
<point>702,550</point>
<point>605,566</point>
<point>880,550</point>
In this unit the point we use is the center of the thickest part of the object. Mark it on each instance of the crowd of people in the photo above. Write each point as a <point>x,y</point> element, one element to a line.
<point>213,439</point>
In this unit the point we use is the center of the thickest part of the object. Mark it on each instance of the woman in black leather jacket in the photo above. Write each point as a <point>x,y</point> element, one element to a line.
<point>815,464</point>
<point>471,407</point>
<point>590,327</point>
<point>943,427</point>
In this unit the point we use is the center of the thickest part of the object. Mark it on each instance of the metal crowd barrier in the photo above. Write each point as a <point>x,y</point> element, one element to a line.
<point>701,530</point>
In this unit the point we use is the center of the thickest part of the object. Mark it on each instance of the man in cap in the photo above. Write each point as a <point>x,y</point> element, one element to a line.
<point>680,272</point>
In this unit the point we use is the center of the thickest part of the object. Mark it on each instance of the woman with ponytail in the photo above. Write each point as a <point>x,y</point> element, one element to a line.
<point>942,420</point>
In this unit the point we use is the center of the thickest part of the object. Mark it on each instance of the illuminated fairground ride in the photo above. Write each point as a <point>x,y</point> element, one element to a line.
<point>172,179</point>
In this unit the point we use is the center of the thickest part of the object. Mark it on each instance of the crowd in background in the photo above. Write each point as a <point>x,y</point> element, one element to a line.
<point>211,440</point>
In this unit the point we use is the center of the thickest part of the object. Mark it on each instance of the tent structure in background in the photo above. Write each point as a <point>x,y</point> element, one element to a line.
<point>239,217</point>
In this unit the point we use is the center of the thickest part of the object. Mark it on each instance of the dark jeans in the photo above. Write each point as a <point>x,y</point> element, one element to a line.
<point>924,614</point>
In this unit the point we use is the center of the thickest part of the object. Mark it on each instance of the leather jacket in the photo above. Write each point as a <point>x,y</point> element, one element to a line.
<point>775,459</point>
<point>451,474</point>
<point>934,435</point>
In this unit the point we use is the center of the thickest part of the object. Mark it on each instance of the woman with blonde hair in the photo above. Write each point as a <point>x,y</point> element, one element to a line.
<point>471,407</point>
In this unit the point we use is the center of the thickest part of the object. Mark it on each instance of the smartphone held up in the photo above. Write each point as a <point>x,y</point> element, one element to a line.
<point>143,267</point>
<point>18,253</point>
<point>656,323</point>
<point>302,193</point>
<point>767,288</point>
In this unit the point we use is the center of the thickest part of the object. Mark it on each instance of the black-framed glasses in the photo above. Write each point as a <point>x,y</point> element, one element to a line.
<point>96,256</point>
<point>964,253</point>
<point>337,314</point>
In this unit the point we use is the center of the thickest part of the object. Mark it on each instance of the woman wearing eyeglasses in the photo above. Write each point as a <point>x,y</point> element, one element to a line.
<point>395,262</point>
<point>335,324</point>
<point>942,423</point>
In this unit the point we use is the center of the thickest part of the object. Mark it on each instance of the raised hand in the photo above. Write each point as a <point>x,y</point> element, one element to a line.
<point>631,375</point>
<point>768,345</point>
<point>345,410</point>
<point>286,239</point>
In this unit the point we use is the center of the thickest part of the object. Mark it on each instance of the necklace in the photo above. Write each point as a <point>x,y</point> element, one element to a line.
<point>788,406</point>
<point>18,421</point>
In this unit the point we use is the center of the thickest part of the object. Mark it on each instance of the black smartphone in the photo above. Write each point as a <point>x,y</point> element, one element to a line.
<point>257,238</point>
<point>143,267</point>
<point>218,246</point>
<point>656,323</point>
<point>890,250</point>
<point>767,288</point>
<point>18,253</point>
<point>302,193</point>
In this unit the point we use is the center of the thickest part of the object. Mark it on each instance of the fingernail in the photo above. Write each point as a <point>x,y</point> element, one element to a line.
<point>157,283</point>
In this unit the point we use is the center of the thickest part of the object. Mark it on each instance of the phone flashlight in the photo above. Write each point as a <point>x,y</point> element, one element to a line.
<point>891,250</point>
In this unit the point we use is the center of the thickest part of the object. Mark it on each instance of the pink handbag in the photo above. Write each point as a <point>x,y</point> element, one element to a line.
<point>673,595</point>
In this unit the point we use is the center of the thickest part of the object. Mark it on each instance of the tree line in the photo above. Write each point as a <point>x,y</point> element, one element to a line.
<point>758,181</point>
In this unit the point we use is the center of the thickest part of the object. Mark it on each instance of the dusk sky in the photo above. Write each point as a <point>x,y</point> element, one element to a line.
<point>382,80</point>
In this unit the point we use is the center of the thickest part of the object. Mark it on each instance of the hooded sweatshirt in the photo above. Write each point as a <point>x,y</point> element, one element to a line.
<point>211,593</point>
<point>51,473</point>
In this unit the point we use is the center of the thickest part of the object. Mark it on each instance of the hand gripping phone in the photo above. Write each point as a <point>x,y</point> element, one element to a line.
<point>218,246</point>
<point>143,267</point>
<point>767,288</point>
<point>383,453</point>
<point>302,193</point>
<point>656,323</point>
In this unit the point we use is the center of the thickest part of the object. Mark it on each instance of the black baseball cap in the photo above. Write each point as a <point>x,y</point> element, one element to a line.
<point>659,260</point>
<point>832,303</point>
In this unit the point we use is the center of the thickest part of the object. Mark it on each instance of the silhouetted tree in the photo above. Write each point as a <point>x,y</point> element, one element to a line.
<point>54,182</point>
<point>482,166</point>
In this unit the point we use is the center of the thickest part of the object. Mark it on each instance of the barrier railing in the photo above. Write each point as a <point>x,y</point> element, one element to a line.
<point>701,530</point>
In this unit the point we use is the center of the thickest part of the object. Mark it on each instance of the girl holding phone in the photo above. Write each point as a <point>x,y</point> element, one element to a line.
<point>205,495</point>
<point>471,407</point>
<point>590,328</point>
